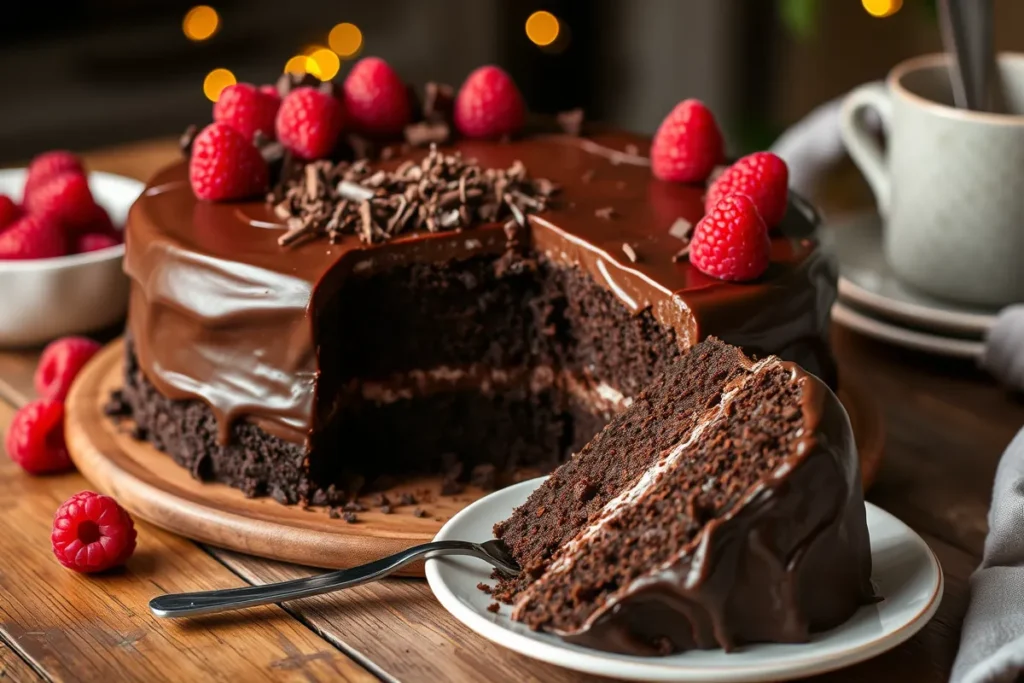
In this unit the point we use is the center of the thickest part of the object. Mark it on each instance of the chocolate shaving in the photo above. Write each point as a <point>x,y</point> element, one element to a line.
<point>426,133</point>
<point>681,229</point>
<point>681,255</point>
<point>587,176</point>
<point>571,122</point>
<point>630,252</point>
<point>438,102</point>
<point>187,138</point>
<point>441,192</point>
<point>631,149</point>
<point>606,213</point>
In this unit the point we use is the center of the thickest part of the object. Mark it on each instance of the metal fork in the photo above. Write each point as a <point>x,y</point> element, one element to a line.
<point>209,602</point>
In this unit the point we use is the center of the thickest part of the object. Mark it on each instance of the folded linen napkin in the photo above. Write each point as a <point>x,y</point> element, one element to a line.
<point>992,638</point>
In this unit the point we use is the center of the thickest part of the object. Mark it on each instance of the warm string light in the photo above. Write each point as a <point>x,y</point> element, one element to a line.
<point>200,23</point>
<point>216,81</point>
<point>345,39</point>
<point>327,63</point>
<point>882,8</point>
<point>542,28</point>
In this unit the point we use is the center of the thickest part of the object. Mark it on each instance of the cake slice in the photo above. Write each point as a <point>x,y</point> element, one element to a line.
<point>723,507</point>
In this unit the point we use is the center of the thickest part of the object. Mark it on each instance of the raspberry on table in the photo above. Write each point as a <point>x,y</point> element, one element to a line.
<point>688,144</point>
<point>376,99</point>
<point>9,211</point>
<point>309,122</point>
<point>35,438</point>
<point>92,533</point>
<point>763,177</point>
<point>247,109</point>
<point>46,166</point>
<point>32,237</point>
<point>489,105</point>
<point>224,165</point>
<point>60,362</point>
<point>731,242</point>
<point>65,198</point>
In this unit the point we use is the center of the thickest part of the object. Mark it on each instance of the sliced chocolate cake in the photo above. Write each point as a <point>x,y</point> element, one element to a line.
<point>723,507</point>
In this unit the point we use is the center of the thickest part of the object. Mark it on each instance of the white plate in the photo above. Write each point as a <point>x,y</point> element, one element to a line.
<point>866,279</point>
<point>906,573</point>
<point>848,316</point>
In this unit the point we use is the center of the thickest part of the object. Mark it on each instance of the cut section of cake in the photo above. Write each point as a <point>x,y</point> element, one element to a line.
<point>723,507</point>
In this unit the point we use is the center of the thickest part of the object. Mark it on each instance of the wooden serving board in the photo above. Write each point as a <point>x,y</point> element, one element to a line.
<point>151,486</point>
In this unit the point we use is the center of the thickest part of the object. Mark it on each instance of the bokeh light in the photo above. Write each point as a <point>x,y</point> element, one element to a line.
<point>882,8</point>
<point>345,39</point>
<point>200,23</point>
<point>216,81</point>
<point>327,63</point>
<point>542,28</point>
<point>302,64</point>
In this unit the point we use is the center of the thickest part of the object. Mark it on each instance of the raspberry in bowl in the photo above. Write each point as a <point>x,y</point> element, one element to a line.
<point>61,249</point>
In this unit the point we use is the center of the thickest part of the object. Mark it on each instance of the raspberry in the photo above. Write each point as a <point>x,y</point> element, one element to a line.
<point>224,165</point>
<point>65,198</point>
<point>376,99</point>
<point>60,362</point>
<point>763,177</point>
<point>489,105</point>
<point>35,439</point>
<point>93,241</point>
<point>688,144</point>
<point>247,109</point>
<point>309,122</point>
<point>731,241</point>
<point>92,533</point>
<point>9,211</point>
<point>48,165</point>
<point>32,237</point>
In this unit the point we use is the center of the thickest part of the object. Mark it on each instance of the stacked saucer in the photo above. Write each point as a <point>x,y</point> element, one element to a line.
<point>874,302</point>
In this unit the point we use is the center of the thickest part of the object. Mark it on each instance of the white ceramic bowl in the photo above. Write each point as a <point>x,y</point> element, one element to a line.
<point>43,299</point>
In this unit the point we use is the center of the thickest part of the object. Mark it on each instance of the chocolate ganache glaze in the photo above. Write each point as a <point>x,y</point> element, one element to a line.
<point>221,312</point>
<point>791,558</point>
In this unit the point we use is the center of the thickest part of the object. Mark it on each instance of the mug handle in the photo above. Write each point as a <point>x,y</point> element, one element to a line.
<point>861,143</point>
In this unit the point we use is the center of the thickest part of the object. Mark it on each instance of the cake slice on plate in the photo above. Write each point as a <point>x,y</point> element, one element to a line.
<point>723,507</point>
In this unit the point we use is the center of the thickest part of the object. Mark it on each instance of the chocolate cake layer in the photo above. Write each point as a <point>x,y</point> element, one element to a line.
<point>747,525</point>
<point>220,312</point>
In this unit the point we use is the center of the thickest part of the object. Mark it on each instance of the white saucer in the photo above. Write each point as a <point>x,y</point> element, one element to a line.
<point>848,316</point>
<point>866,279</point>
<point>906,573</point>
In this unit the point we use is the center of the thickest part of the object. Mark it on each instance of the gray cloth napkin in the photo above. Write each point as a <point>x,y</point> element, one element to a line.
<point>992,638</point>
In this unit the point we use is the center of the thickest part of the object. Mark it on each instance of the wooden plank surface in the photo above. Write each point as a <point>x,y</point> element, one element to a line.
<point>14,669</point>
<point>81,628</point>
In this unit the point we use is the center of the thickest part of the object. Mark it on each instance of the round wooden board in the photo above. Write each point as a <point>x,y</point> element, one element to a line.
<point>151,486</point>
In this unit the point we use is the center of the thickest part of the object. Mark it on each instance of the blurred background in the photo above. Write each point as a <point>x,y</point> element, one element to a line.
<point>84,74</point>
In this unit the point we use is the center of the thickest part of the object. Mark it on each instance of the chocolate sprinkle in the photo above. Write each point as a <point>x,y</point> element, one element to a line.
<point>442,192</point>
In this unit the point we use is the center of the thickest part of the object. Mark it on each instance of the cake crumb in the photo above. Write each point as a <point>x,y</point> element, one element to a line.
<point>484,587</point>
<point>117,406</point>
<point>385,509</point>
<point>354,506</point>
<point>351,517</point>
<point>334,513</point>
<point>406,499</point>
<point>493,607</point>
<point>419,512</point>
<point>138,433</point>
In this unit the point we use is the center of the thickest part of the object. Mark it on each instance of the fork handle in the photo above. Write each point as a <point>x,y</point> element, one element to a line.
<point>210,602</point>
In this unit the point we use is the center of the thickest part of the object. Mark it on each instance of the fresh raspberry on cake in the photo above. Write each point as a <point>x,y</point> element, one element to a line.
<point>247,109</point>
<point>731,241</point>
<point>60,363</point>
<point>9,211</point>
<point>688,144</point>
<point>35,438</point>
<point>32,237</point>
<point>46,166</point>
<point>376,99</point>
<point>763,177</point>
<point>225,165</point>
<point>66,198</point>
<point>309,122</point>
<point>489,105</point>
<point>92,533</point>
<point>93,241</point>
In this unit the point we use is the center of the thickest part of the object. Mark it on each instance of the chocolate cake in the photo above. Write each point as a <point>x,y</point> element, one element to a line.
<point>306,367</point>
<point>723,507</point>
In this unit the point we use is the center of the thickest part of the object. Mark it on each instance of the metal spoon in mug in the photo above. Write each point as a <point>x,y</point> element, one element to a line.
<point>967,34</point>
<point>210,602</point>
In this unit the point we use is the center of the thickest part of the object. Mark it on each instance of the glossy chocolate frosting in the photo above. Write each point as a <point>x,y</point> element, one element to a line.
<point>793,557</point>
<point>220,312</point>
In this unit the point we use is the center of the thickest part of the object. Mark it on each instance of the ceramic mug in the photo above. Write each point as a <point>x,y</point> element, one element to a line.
<point>950,183</point>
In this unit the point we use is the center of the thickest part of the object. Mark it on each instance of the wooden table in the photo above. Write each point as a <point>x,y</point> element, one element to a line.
<point>946,426</point>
